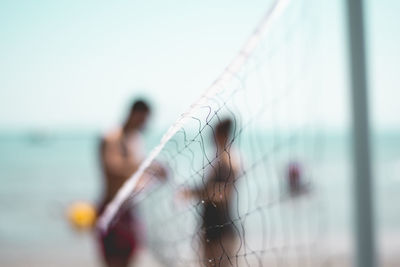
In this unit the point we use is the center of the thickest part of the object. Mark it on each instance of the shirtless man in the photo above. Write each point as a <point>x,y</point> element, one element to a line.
<point>121,152</point>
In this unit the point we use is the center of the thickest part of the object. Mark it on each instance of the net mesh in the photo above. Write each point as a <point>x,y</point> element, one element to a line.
<point>251,199</point>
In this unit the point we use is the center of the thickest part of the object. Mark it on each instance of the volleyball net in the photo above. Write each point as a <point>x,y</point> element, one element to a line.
<point>243,185</point>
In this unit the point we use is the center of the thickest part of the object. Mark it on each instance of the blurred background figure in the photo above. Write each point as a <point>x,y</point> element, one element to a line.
<point>121,152</point>
<point>296,183</point>
<point>216,195</point>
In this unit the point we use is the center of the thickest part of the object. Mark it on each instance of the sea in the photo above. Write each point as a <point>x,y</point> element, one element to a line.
<point>41,174</point>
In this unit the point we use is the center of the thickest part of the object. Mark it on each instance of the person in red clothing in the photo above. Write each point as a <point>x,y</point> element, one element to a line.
<point>296,183</point>
<point>121,153</point>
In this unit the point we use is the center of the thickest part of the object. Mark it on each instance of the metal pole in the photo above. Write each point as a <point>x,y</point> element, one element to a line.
<point>364,226</point>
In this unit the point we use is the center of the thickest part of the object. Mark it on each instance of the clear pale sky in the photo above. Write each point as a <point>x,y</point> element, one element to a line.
<point>76,64</point>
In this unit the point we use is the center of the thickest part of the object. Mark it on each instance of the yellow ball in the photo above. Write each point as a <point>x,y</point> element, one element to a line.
<point>82,215</point>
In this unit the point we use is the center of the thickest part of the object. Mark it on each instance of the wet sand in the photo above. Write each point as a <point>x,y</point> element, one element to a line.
<point>146,259</point>
<point>336,253</point>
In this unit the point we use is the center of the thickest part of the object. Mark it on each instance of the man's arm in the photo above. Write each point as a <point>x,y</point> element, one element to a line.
<point>215,191</point>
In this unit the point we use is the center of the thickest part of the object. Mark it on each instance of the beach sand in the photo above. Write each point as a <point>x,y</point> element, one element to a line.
<point>65,259</point>
<point>145,258</point>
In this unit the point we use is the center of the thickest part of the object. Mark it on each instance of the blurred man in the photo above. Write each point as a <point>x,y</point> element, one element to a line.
<point>121,152</point>
<point>217,194</point>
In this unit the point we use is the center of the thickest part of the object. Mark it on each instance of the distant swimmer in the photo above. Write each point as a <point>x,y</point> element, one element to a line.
<point>216,195</point>
<point>295,180</point>
<point>121,153</point>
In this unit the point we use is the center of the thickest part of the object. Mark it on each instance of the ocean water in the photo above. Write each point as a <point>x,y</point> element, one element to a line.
<point>41,176</point>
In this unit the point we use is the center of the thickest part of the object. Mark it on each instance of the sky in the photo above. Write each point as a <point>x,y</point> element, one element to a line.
<point>77,64</point>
